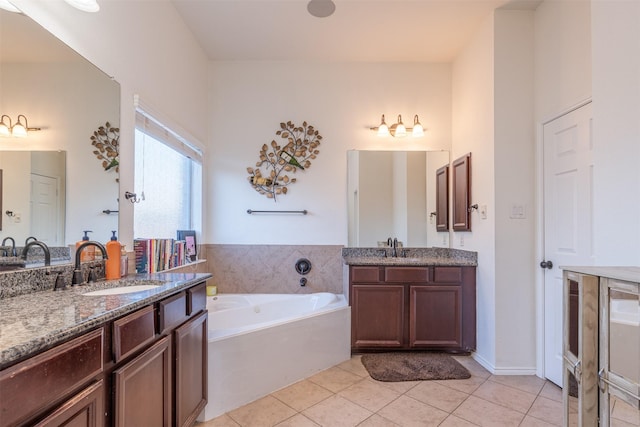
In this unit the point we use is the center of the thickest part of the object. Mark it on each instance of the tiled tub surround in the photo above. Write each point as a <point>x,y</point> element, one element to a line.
<point>269,269</point>
<point>412,256</point>
<point>35,321</point>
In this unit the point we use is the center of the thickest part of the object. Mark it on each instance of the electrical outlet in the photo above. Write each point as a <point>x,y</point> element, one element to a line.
<point>17,217</point>
<point>461,240</point>
<point>483,211</point>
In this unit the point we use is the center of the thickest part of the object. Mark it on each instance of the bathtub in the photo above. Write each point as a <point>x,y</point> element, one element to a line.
<point>259,343</point>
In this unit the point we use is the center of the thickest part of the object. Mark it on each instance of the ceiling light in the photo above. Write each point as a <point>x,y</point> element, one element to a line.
<point>85,5</point>
<point>321,8</point>
<point>399,130</point>
<point>6,5</point>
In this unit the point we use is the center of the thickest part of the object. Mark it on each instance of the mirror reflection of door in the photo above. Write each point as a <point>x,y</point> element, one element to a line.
<point>45,208</point>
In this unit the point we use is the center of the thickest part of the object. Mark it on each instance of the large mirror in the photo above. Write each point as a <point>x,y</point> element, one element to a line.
<point>68,98</point>
<point>393,194</point>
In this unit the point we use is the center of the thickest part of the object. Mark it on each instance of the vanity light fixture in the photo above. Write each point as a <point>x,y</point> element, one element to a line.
<point>398,129</point>
<point>85,5</point>
<point>19,130</point>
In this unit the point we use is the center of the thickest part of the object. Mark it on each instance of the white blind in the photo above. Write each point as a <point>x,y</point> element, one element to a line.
<point>147,122</point>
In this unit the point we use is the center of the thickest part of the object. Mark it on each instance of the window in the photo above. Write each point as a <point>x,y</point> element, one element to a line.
<point>168,180</point>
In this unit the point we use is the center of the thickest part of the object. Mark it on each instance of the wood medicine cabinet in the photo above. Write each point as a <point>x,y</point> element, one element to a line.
<point>442,198</point>
<point>462,193</point>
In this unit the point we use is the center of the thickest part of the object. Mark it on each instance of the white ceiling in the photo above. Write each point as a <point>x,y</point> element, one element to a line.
<point>359,30</point>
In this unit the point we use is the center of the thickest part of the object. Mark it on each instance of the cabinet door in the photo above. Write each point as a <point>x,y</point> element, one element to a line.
<point>435,316</point>
<point>143,388</point>
<point>191,369</point>
<point>377,316</point>
<point>86,409</point>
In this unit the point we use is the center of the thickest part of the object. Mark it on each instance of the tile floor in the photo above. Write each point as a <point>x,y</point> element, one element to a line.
<point>345,395</point>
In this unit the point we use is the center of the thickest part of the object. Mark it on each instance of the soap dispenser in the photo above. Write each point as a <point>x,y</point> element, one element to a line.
<point>112,265</point>
<point>89,252</point>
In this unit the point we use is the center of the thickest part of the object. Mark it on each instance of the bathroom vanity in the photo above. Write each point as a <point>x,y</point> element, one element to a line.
<point>139,358</point>
<point>425,300</point>
<point>601,346</point>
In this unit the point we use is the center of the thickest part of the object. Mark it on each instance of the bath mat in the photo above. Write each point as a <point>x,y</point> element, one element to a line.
<point>413,366</point>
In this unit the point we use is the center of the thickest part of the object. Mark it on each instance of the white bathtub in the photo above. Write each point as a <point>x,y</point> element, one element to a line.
<point>259,343</point>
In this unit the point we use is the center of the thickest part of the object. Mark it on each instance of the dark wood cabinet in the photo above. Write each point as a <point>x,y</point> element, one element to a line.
<point>146,368</point>
<point>86,409</point>
<point>380,320</point>
<point>191,369</point>
<point>142,388</point>
<point>412,307</point>
<point>462,193</point>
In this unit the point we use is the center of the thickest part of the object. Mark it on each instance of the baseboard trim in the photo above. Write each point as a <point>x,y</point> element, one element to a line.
<point>503,371</point>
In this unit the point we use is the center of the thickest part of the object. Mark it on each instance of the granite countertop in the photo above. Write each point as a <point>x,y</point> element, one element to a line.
<point>36,321</point>
<point>412,257</point>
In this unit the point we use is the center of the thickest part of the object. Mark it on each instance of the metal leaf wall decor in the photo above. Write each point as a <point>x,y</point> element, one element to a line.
<point>106,140</point>
<point>300,146</point>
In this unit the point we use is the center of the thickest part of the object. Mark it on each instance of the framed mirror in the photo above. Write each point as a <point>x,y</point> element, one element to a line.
<point>392,194</point>
<point>68,98</point>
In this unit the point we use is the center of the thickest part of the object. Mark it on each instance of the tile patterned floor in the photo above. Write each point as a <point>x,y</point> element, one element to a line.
<point>345,395</point>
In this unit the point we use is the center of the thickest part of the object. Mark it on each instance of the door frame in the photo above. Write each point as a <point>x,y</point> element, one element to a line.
<point>539,197</point>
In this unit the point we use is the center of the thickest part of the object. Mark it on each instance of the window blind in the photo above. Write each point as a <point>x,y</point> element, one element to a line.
<point>147,122</point>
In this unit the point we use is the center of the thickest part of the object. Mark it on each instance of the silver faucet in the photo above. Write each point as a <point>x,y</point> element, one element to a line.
<point>77,272</point>
<point>14,252</point>
<point>45,249</point>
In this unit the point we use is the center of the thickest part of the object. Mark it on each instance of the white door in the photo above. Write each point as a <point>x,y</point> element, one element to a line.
<point>45,207</point>
<point>568,175</point>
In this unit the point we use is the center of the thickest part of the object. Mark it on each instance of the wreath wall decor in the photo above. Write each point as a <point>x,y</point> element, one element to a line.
<point>300,147</point>
<point>106,140</point>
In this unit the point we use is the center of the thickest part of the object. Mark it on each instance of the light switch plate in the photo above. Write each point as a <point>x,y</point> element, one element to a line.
<point>518,211</point>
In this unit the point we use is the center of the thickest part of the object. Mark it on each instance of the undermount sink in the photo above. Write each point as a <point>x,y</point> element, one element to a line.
<point>120,290</point>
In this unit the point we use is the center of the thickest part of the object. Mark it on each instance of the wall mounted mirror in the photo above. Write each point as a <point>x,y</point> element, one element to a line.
<point>69,98</point>
<point>392,194</point>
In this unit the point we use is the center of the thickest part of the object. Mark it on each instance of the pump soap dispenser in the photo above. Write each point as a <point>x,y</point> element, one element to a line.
<point>112,265</point>
<point>89,252</point>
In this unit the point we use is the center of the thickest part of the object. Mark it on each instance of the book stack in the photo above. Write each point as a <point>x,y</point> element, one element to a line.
<point>154,255</point>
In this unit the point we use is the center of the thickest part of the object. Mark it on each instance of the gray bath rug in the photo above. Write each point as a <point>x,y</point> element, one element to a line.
<point>413,366</point>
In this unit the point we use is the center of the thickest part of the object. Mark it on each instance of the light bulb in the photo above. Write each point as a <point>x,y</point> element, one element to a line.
<point>401,131</point>
<point>418,130</point>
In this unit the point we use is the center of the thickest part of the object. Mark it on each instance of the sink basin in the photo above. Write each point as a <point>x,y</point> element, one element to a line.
<point>120,290</point>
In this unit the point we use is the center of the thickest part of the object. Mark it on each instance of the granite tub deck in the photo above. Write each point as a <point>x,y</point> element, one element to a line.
<point>409,257</point>
<point>33,322</point>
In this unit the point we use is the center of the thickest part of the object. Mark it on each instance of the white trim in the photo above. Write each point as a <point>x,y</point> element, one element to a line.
<point>531,370</point>
<point>566,111</point>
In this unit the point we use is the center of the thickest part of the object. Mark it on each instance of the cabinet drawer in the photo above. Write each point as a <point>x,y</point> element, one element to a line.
<point>447,274</point>
<point>35,384</point>
<point>406,274</point>
<point>361,274</point>
<point>196,299</point>
<point>172,312</point>
<point>133,332</point>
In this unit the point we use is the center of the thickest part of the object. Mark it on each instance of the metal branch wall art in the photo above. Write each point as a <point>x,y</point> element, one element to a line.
<point>300,147</point>
<point>107,142</point>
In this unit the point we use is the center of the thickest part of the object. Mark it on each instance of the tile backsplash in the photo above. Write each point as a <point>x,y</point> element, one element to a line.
<point>271,269</point>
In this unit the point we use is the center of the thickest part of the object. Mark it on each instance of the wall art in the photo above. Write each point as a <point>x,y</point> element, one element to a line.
<point>297,147</point>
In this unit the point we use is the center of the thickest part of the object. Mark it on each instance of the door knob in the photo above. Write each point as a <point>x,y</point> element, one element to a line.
<point>546,264</point>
